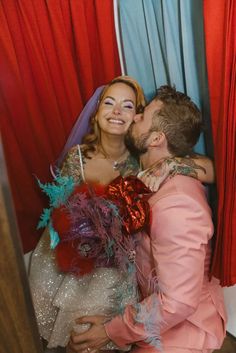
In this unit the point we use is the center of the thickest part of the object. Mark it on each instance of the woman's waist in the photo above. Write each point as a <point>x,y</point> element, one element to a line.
<point>102,287</point>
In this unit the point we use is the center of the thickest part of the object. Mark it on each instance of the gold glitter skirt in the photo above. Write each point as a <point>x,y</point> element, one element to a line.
<point>61,298</point>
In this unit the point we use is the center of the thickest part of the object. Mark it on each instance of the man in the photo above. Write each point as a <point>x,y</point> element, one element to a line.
<point>186,307</point>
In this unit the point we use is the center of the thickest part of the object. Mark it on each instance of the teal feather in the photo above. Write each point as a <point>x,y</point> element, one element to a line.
<point>149,315</point>
<point>131,268</point>
<point>109,249</point>
<point>58,191</point>
<point>44,218</point>
<point>121,295</point>
<point>113,207</point>
<point>54,237</point>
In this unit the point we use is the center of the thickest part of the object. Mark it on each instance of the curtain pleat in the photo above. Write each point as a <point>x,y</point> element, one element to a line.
<point>163,43</point>
<point>220,37</point>
<point>118,35</point>
<point>54,54</point>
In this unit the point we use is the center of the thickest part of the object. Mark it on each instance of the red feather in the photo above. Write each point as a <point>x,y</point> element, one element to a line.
<point>69,260</point>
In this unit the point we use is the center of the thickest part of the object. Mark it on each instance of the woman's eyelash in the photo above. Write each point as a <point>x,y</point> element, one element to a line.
<point>129,106</point>
<point>124,106</point>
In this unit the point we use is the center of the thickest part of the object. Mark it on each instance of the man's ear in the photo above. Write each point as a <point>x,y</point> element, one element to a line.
<point>157,139</point>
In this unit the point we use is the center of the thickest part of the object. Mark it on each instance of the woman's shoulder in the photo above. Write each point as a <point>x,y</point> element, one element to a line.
<point>74,150</point>
<point>72,164</point>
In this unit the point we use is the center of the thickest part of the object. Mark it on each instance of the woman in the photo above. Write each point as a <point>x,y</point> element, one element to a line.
<point>103,156</point>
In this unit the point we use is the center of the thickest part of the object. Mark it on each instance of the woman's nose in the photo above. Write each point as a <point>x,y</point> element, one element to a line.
<point>117,109</point>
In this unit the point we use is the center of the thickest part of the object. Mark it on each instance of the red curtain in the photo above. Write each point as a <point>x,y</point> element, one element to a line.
<point>53,54</point>
<point>220,37</point>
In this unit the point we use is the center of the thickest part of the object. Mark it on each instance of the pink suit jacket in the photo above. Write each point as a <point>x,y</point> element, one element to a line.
<point>178,249</point>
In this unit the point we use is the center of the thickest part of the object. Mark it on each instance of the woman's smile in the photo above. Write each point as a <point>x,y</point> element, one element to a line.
<point>116,121</point>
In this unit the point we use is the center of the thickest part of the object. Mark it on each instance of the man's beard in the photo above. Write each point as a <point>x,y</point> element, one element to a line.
<point>136,145</point>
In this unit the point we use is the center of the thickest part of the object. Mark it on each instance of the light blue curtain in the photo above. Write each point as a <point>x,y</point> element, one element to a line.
<point>163,43</point>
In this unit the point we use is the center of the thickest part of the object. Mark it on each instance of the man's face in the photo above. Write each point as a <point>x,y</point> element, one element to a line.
<point>139,133</point>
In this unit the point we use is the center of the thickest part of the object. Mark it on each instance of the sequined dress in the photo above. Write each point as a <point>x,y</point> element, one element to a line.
<point>61,298</point>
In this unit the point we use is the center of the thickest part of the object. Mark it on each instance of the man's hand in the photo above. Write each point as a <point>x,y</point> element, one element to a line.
<point>91,340</point>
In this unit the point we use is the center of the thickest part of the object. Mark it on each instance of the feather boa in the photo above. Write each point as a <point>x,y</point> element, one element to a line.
<point>92,225</point>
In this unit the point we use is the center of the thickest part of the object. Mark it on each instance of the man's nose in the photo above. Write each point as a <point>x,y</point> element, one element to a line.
<point>137,118</point>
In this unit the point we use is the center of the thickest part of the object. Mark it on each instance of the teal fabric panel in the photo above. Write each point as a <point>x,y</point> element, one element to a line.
<point>137,55</point>
<point>163,43</point>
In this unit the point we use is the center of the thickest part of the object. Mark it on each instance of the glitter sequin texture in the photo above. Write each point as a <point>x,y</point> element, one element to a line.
<point>59,299</point>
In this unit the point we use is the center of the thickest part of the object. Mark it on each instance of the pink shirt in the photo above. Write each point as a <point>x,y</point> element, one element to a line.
<point>187,308</point>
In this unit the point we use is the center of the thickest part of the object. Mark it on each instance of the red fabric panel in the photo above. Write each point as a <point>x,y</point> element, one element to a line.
<point>220,37</point>
<point>53,56</point>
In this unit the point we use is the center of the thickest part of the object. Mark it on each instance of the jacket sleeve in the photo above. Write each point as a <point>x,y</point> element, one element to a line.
<point>181,228</point>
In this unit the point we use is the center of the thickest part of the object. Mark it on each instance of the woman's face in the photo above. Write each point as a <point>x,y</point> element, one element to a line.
<point>117,109</point>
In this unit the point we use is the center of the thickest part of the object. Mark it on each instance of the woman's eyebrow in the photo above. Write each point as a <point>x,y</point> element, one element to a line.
<point>109,97</point>
<point>128,100</point>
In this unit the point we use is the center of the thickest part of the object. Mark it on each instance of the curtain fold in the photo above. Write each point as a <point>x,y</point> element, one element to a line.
<point>164,44</point>
<point>54,54</point>
<point>220,37</point>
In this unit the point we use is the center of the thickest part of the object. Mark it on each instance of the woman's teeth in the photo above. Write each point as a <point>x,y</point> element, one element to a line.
<point>116,121</point>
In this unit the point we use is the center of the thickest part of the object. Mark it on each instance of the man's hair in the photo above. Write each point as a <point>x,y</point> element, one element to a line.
<point>180,120</point>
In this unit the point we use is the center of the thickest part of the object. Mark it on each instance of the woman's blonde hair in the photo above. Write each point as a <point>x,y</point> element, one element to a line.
<point>92,139</point>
